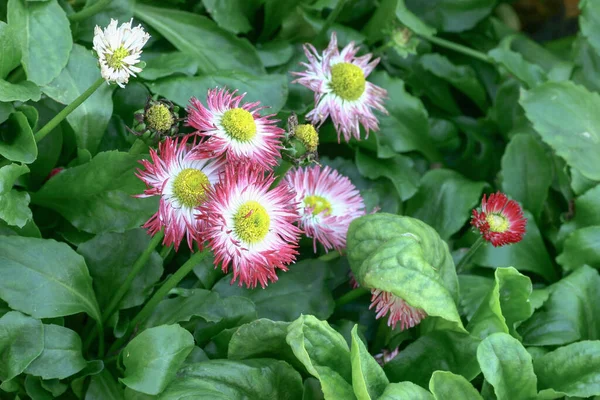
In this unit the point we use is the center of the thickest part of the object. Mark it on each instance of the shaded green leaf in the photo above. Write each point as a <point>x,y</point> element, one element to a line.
<point>14,208</point>
<point>399,170</point>
<point>368,379</point>
<point>196,302</point>
<point>532,74</point>
<point>166,64</point>
<point>580,248</point>
<point>104,386</point>
<point>589,22</point>
<point>233,15</point>
<point>22,91</point>
<point>21,342</point>
<point>18,143</point>
<point>10,48</point>
<point>446,385</point>
<point>450,16</point>
<point>411,21</point>
<point>405,390</point>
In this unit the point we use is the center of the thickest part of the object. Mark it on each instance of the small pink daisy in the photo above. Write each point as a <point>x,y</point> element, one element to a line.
<point>341,89</point>
<point>180,174</point>
<point>500,220</point>
<point>251,227</point>
<point>327,203</point>
<point>399,310</point>
<point>236,130</point>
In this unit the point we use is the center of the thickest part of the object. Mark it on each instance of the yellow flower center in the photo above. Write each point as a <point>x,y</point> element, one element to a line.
<point>239,124</point>
<point>115,60</point>
<point>497,223</point>
<point>190,187</point>
<point>308,136</point>
<point>251,222</point>
<point>347,81</point>
<point>159,118</point>
<point>318,204</point>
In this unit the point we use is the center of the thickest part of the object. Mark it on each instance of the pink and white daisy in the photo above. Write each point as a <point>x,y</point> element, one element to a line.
<point>327,203</point>
<point>338,80</point>
<point>399,310</point>
<point>180,174</point>
<point>236,129</point>
<point>251,227</point>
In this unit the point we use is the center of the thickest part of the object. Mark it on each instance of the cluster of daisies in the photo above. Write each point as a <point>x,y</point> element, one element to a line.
<point>217,187</point>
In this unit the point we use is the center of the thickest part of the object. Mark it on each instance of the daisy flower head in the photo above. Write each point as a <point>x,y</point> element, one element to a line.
<point>119,50</point>
<point>236,129</point>
<point>181,175</point>
<point>327,203</point>
<point>250,227</point>
<point>398,310</point>
<point>500,220</point>
<point>338,80</point>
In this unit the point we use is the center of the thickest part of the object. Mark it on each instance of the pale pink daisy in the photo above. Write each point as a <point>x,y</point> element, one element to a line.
<point>180,173</point>
<point>250,226</point>
<point>399,311</point>
<point>236,129</point>
<point>338,80</point>
<point>327,203</point>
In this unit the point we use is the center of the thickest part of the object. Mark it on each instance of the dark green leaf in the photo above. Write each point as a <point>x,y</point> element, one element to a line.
<point>223,314</point>
<point>589,22</point>
<point>450,16</point>
<point>411,21</point>
<point>166,64</point>
<point>233,15</point>
<point>405,390</point>
<point>273,54</point>
<point>21,342</point>
<point>473,292</point>
<point>22,91</point>
<point>10,48</point>
<point>399,170</point>
<point>18,143</point>
<point>446,385</point>
<point>580,248</point>
<point>532,74</point>
<point>34,389</point>
<point>368,379</point>
<point>103,386</point>
<point>196,302</point>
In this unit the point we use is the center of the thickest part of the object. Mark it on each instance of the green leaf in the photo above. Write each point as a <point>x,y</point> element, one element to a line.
<point>399,170</point>
<point>45,38</point>
<point>236,380</point>
<point>61,357</point>
<point>505,305</point>
<point>527,172</point>
<point>233,15</point>
<point>14,208</point>
<point>405,390</point>
<point>9,174</point>
<point>532,74</point>
<point>60,277</point>
<point>153,357</point>
<point>589,22</point>
<point>406,257</point>
<point>110,267</point>
<point>437,350</point>
<point>446,385</point>
<point>21,342</point>
<point>22,91</point>
<point>35,390</point>
<point>273,54</point>
<point>270,90</point>
<point>572,370</point>
<point>18,143</point>
<point>196,302</point>
<point>444,200</point>
<point>97,197</point>
<point>450,16</point>
<point>530,254</point>
<point>588,211</point>
<point>473,292</point>
<point>368,379</point>
<point>10,48</point>
<point>301,290</point>
<point>507,366</point>
<point>324,353</point>
<point>166,64</point>
<point>569,314</point>
<point>411,21</point>
<point>580,248</point>
<point>575,136</point>
<point>104,386</point>
<point>223,314</point>
<point>214,48</point>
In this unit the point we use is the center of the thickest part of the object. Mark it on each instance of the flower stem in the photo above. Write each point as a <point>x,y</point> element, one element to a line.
<point>46,129</point>
<point>332,17</point>
<point>351,295</point>
<point>160,294</point>
<point>467,257</point>
<point>459,48</point>
<point>89,11</point>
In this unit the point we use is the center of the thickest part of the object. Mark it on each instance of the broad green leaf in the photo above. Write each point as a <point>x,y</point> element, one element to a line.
<point>575,136</point>
<point>110,267</point>
<point>196,302</point>
<point>236,380</point>
<point>405,390</point>
<point>104,386</point>
<point>90,119</point>
<point>462,77</point>
<point>97,197</point>
<point>368,379</point>
<point>275,12</point>
<point>60,277</point>
<point>121,10</point>
<point>572,370</point>
<point>9,174</point>
<point>61,357</point>
<point>505,305</point>
<point>270,90</point>
<point>411,21</point>
<point>446,385</point>
<point>221,315</point>
<point>214,48</point>
<point>406,257</point>
<point>587,213</point>
<point>21,342</point>
<point>569,314</point>
<point>383,17</point>
<point>153,357</point>
<point>507,366</point>
<point>22,91</point>
<point>34,389</point>
<point>399,170</point>
<point>312,389</point>
<point>44,35</point>
<point>10,48</point>
<point>406,128</point>
<point>301,290</point>
<point>589,22</point>
<point>473,292</point>
<point>527,172</point>
<point>532,74</point>
<point>233,15</point>
<point>580,248</point>
<point>324,353</point>
<point>14,208</point>
<point>444,200</point>
<point>18,143</point>
<point>166,64</point>
<point>274,54</point>
<point>530,254</point>
<point>437,350</point>
<point>449,15</point>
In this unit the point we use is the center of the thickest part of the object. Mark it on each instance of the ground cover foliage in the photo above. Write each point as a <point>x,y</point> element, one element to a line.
<point>473,107</point>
